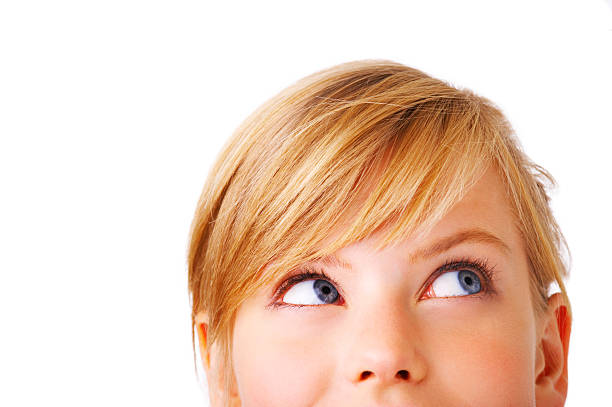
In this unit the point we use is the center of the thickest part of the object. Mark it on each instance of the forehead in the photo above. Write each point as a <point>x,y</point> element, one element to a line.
<point>483,215</point>
<point>484,207</point>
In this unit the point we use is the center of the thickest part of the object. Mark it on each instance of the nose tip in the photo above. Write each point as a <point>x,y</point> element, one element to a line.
<point>387,357</point>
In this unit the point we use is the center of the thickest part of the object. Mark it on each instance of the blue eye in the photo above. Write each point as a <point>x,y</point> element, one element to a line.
<point>455,284</point>
<point>311,292</point>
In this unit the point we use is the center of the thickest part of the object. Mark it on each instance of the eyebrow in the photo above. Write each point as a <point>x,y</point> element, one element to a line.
<point>476,235</point>
<point>466,236</point>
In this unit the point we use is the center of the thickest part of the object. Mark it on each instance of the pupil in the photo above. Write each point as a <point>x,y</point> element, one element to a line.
<point>468,281</point>
<point>325,290</point>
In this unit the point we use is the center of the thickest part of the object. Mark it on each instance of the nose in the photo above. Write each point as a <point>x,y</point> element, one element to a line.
<point>385,349</point>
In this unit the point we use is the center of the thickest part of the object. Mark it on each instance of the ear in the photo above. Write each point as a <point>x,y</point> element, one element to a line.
<point>211,362</point>
<point>551,354</point>
<point>201,324</point>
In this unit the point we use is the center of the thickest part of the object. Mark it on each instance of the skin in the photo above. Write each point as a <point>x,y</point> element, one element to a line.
<point>385,344</point>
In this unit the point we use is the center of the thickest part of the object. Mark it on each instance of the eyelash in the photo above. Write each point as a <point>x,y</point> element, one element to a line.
<point>480,266</point>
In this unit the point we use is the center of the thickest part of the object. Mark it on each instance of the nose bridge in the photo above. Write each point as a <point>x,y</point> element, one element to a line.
<point>385,345</point>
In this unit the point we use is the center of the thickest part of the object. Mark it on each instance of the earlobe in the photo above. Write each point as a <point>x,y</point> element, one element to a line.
<point>551,354</point>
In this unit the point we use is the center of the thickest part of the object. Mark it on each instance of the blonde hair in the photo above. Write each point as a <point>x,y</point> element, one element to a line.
<point>292,170</point>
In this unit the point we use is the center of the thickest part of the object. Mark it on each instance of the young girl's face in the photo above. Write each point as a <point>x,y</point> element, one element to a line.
<point>443,320</point>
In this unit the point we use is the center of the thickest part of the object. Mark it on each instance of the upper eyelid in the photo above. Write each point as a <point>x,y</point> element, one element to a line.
<point>480,266</point>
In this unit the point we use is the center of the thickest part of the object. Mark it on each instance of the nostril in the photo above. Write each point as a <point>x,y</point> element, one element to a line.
<point>403,374</point>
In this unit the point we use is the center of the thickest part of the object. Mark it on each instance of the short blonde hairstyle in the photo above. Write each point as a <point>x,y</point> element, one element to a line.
<point>288,175</point>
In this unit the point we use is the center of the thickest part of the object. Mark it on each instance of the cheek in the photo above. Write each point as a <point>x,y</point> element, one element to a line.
<point>489,363</point>
<point>279,364</point>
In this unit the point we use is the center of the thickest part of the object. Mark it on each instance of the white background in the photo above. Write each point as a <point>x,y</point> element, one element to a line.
<point>111,113</point>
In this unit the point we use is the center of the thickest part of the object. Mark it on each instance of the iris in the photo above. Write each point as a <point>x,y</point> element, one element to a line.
<point>469,281</point>
<point>325,291</point>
